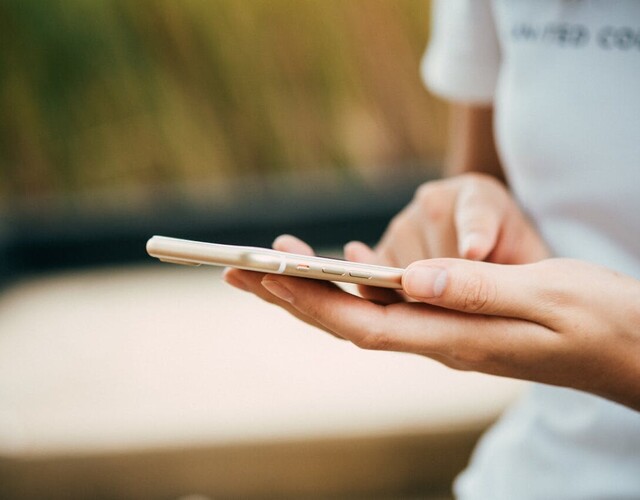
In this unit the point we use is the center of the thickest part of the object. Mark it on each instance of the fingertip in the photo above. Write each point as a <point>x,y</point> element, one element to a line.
<point>284,240</point>
<point>229,273</point>
<point>233,277</point>
<point>357,251</point>
<point>423,280</point>
<point>475,246</point>
<point>291,244</point>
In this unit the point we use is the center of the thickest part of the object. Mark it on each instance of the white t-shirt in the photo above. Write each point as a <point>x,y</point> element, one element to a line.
<point>564,78</point>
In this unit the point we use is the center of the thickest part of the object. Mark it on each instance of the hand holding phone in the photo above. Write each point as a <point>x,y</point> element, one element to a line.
<point>195,253</point>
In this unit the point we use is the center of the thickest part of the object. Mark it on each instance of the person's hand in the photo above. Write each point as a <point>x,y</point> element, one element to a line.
<point>558,321</point>
<point>250,281</point>
<point>471,216</point>
<point>555,321</point>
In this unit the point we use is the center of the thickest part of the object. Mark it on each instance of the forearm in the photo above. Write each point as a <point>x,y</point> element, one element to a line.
<point>472,145</point>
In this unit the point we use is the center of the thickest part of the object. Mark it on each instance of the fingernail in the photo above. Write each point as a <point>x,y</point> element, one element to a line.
<point>424,281</point>
<point>278,290</point>
<point>470,243</point>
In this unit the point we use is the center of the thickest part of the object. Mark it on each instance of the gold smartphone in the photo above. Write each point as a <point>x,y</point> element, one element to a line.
<point>194,253</point>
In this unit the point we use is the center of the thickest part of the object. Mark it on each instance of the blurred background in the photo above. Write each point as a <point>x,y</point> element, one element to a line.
<point>229,121</point>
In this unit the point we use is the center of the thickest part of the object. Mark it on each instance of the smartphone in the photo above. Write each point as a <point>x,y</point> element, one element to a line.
<point>194,253</point>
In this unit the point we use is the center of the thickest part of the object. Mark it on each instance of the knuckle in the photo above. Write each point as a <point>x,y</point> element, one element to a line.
<point>554,295</point>
<point>397,224</point>
<point>475,359</point>
<point>476,294</point>
<point>467,358</point>
<point>475,356</point>
<point>555,299</point>
<point>431,199</point>
<point>375,342</point>
<point>376,339</point>
<point>560,301</point>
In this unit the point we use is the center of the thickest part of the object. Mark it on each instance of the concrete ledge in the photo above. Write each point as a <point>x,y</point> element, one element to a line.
<point>400,466</point>
<point>159,381</point>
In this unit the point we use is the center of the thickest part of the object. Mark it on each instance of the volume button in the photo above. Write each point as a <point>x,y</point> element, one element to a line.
<point>360,274</point>
<point>338,271</point>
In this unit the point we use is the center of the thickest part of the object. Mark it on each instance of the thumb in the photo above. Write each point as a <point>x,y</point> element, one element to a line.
<point>474,287</point>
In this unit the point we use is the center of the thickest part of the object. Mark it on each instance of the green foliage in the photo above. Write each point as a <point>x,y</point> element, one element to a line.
<point>113,94</point>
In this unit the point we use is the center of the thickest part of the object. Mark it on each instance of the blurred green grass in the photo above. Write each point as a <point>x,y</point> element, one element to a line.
<point>132,95</point>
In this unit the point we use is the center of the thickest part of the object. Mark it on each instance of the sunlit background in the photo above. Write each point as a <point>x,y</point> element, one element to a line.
<point>182,112</point>
<point>133,96</point>
<point>220,120</point>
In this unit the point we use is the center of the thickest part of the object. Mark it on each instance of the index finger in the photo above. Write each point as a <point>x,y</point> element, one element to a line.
<point>503,343</point>
<point>479,213</point>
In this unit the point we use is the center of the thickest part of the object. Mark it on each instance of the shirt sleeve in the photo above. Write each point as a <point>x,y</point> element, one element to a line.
<point>463,58</point>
